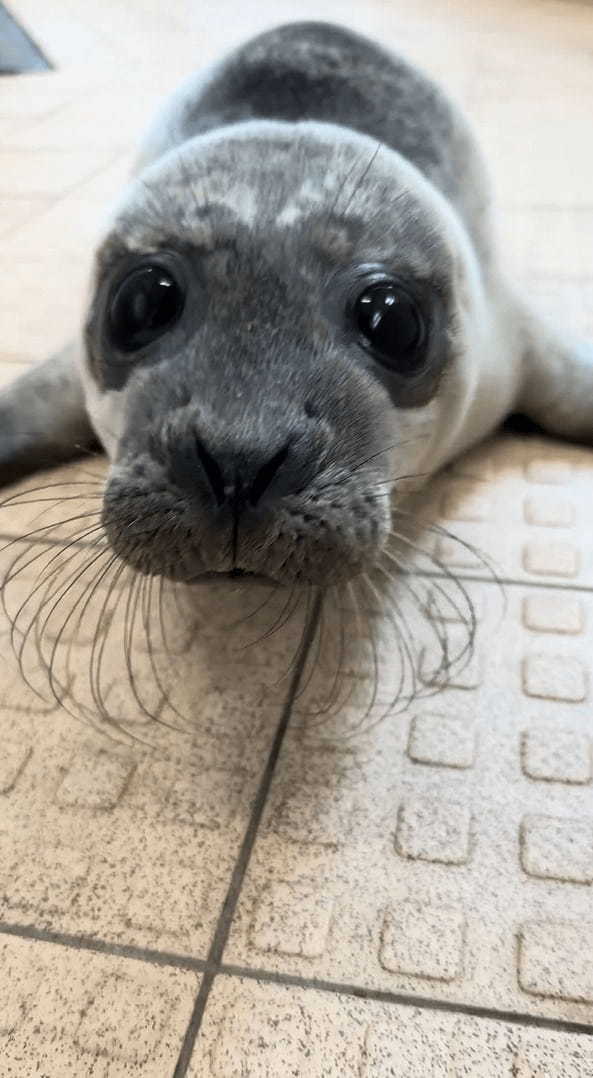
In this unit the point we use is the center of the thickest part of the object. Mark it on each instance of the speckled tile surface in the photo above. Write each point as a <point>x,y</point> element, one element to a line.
<point>449,852</point>
<point>212,863</point>
<point>328,1034</point>
<point>69,1011</point>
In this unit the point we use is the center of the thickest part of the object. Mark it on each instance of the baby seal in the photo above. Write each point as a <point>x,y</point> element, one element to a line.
<point>296,304</point>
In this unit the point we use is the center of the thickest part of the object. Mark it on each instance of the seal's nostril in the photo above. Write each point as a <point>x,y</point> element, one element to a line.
<point>266,474</point>
<point>212,472</point>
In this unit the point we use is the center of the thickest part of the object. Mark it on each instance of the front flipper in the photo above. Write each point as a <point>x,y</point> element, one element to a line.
<point>43,419</point>
<point>557,381</point>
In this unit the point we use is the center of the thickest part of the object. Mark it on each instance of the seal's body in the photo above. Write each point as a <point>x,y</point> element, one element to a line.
<point>297,302</point>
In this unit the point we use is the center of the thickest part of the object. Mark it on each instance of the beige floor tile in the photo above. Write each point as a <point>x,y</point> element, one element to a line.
<point>316,1034</point>
<point>54,284</point>
<point>407,859</point>
<point>16,212</point>
<point>541,490</point>
<point>30,97</point>
<point>135,794</point>
<point>70,1012</point>
<point>41,173</point>
<point>69,125</point>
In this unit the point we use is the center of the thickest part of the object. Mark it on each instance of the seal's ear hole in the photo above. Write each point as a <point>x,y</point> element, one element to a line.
<point>310,410</point>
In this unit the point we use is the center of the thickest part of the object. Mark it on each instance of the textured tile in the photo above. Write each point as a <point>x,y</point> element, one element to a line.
<point>553,613</point>
<point>551,559</point>
<point>292,918</point>
<point>467,501</point>
<point>548,469</point>
<point>41,173</point>
<point>556,1054</point>
<point>541,491</point>
<point>555,677</point>
<point>112,820</point>
<point>553,755</point>
<point>557,848</point>
<point>433,830</point>
<point>442,740</point>
<point>555,959</point>
<point>425,941</point>
<point>548,511</point>
<point>316,1034</point>
<point>71,1012</point>
<point>431,874</point>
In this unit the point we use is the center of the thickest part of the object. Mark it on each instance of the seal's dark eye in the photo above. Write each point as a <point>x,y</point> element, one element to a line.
<point>391,325</point>
<point>145,305</point>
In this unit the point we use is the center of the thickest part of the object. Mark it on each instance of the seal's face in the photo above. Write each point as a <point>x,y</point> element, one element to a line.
<point>273,316</point>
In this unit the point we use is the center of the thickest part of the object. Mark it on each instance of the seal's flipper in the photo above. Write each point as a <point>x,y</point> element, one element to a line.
<point>43,419</point>
<point>557,379</point>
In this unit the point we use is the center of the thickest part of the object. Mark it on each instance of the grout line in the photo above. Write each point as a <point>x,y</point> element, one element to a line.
<point>100,946</point>
<point>225,919</point>
<point>379,995</point>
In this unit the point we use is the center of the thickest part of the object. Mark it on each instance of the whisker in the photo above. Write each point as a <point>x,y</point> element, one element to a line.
<point>146,621</point>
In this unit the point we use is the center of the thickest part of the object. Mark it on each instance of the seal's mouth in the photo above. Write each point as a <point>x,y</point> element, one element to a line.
<point>234,576</point>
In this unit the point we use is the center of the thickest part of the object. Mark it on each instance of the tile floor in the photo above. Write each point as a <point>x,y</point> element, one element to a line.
<point>246,887</point>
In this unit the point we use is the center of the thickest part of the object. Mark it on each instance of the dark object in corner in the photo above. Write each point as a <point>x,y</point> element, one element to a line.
<point>18,53</point>
<point>522,424</point>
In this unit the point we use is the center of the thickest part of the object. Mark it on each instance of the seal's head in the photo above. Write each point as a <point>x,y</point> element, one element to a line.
<point>275,337</point>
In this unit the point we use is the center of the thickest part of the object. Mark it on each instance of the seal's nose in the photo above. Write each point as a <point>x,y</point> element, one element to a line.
<point>244,479</point>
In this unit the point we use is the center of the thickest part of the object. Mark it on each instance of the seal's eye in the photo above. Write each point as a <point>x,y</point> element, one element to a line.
<point>391,326</point>
<point>145,305</point>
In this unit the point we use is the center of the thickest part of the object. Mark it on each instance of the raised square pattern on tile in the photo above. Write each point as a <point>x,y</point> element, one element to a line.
<point>552,755</point>
<point>555,677</point>
<point>95,779</point>
<point>457,555</point>
<point>193,797</point>
<point>433,829</point>
<point>442,740</point>
<point>46,881</point>
<point>556,959</point>
<point>467,501</point>
<point>548,511</point>
<point>72,1012</point>
<point>396,1047</point>
<point>292,918</point>
<point>554,470</point>
<point>307,816</point>
<point>115,1026</point>
<point>274,1045</point>
<point>154,911</point>
<point>551,559</point>
<point>423,940</point>
<point>555,612</point>
<point>442,607</point>
<point>557,1055</point>
<point>557,848</point>
<point>465,669</point>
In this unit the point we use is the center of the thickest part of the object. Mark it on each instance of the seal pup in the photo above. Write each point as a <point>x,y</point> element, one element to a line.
<point>296,303</point>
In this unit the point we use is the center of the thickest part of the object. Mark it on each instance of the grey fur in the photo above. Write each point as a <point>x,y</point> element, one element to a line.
<point>275,182</point>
